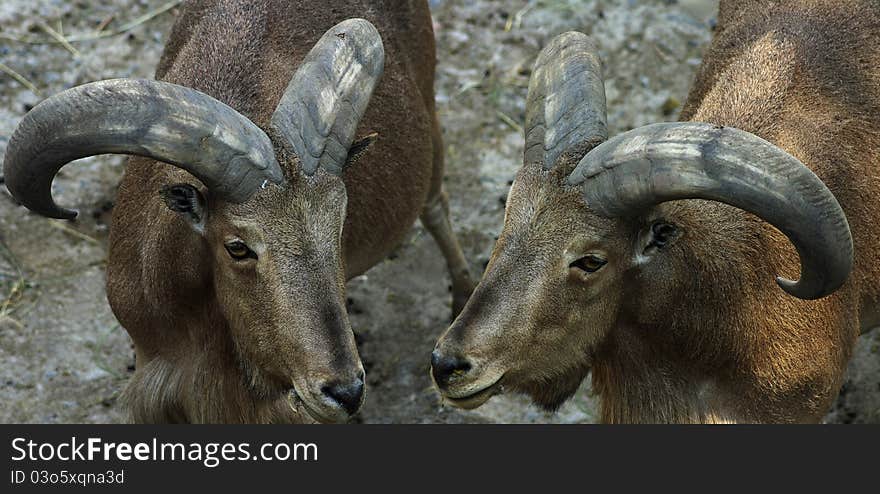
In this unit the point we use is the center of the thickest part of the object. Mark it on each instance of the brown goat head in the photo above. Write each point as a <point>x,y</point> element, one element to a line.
<point>277,274</point>
<point>586,234</point>
<point>262,224</point>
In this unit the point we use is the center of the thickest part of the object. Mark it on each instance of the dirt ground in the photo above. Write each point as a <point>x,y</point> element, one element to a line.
<point>63,356</point>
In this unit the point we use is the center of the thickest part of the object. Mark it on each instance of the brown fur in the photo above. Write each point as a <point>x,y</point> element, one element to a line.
<point>217,342</point>
<point>699,332</point>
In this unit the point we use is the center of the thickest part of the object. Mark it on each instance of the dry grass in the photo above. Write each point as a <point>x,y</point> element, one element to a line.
<point>12,286</point>
<point>56,37</point>
<point>20,78</point>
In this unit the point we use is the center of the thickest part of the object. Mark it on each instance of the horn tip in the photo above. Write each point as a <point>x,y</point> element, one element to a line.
<point>367,36</point>
<point>798,290</point>
<point>57,213</point>
<point>359,24</point>
<point>64,214</point>
<point>569,38</point>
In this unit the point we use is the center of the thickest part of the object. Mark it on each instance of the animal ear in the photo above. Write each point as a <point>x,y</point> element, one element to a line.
<point>187,201</point>
<point>657,237</point>
<point>359,148</point>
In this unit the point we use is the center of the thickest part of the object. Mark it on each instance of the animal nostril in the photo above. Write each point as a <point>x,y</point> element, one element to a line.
<point>348,396</point>
<point>444,367</point>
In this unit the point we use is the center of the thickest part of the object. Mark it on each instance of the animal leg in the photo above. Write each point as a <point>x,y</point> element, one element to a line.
<point>435,217</point>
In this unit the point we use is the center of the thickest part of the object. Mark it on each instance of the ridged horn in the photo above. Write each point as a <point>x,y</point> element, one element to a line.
<point>328,95</point>
<point>687,160</point>
<point>565,108</point>
<point>158,120</point>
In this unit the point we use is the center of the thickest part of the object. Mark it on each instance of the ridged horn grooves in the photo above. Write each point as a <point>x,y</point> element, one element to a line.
<point>663,162</point>
<point>328,95</point>
<point>158,120</point>
<point>565,108</point>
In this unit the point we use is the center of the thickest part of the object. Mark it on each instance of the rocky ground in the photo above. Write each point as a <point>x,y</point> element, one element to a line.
<point>63,356</point>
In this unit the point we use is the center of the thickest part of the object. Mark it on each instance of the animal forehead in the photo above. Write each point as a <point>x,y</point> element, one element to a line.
<point>288,207</point>
<point>267,203</point>
<point>541,202</point>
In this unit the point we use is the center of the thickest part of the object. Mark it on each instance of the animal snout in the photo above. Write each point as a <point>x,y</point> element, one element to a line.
<point>347,395</point>
<point>444,367</point>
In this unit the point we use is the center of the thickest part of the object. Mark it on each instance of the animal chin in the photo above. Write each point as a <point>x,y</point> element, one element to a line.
<point>551,402</point>
<point>551,395</point>
<point>474,399</point>
<point>302,406</point>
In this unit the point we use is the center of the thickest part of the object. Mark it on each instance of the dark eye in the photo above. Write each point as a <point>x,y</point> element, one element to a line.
<point>239,251</point>
<point>590,264</point>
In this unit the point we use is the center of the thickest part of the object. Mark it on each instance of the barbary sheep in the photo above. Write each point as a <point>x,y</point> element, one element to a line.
<point>242,214</point>
<point>648,258</point>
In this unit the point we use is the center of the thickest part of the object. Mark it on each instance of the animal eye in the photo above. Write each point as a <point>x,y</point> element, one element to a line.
<point>590,264</point>
<point>239,251</point>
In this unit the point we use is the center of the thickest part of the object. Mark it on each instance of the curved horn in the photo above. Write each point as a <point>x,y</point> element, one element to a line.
<point>566,102</point>
<point>688,160</point>
<point>327,96</point>
<point>159,120</point>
